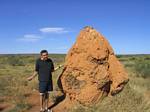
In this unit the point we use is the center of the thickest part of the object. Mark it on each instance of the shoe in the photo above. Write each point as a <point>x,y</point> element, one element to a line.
<point>49,110</point>
<point>42,110</point>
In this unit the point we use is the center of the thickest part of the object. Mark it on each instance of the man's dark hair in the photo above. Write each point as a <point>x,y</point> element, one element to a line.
<point>43,51</point>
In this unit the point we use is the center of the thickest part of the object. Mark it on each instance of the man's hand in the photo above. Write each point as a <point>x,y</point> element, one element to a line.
<point>30,78</point>
<point>58,67</point>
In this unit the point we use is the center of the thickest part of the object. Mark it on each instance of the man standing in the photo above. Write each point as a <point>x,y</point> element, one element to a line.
<point>44,68</point>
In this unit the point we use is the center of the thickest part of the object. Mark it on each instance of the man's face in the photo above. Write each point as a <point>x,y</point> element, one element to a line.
<point>44,56</point>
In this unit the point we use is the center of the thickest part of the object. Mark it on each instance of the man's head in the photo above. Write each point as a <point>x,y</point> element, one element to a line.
<point>44,54</point>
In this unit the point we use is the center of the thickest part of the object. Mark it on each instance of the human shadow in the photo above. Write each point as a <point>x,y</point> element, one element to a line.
<point>59,99</point>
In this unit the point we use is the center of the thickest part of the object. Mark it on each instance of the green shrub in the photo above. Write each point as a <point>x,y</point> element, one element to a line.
<point>142,68</point>
<point>15,61</point>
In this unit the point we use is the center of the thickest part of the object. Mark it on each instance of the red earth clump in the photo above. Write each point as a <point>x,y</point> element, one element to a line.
<point>91,70</point>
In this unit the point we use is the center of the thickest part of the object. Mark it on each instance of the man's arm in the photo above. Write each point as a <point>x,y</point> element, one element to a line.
<point>35,72</point>
<point>57,67</point>
<point>32,76</point>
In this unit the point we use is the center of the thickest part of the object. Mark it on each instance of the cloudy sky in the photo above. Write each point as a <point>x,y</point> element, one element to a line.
<point>28,26</point>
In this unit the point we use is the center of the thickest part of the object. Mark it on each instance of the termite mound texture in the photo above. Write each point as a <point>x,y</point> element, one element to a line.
<point>91,69</point>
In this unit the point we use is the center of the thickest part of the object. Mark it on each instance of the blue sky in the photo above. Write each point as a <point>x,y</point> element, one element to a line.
<point>27,26</point>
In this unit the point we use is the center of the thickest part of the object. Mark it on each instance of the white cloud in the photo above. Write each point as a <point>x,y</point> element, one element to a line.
<point>36,37</point>
<point>53,30</point>
<point>30,38</point>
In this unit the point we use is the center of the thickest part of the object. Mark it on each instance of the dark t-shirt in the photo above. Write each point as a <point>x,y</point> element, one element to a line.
<point>44,69</point>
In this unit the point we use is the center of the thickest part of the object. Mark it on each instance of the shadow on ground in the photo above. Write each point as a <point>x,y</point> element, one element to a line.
<point>59,99</point>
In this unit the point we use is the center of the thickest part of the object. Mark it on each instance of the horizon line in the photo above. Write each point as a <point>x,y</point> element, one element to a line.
<point>66,53</point>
